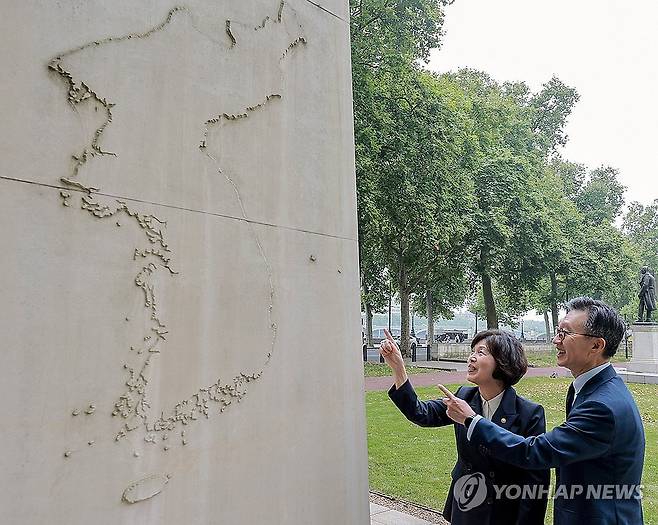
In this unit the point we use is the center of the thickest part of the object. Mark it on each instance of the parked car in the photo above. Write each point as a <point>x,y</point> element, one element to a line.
<point>378,335</point>
<point>421,337</point>
<point>452,336</point>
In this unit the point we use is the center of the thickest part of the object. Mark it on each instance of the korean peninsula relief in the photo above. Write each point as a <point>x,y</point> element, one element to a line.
<point>96,164</point>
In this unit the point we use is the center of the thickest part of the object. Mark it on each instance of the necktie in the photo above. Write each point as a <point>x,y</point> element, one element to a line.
<point>570,397</point>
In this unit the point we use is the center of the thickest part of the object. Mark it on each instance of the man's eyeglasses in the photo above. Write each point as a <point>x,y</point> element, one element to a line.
<point>561,333</point>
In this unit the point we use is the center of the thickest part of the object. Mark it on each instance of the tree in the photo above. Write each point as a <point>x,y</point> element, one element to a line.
<point>385,33</point>
<point>387,37</point>
<point>508,313</point>
<point>588,254</point>
<point>564,226</point>
<point>604,267</point>
<point>444,289</point>
<point>375,286</point>
<point>423,195</point>
<point>640,225</point>
<point>552,106</point>
<point>505,162</point>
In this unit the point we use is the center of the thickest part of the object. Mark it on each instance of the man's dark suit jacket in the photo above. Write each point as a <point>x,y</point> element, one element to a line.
<point>600,445</point>
<point>515,414</point>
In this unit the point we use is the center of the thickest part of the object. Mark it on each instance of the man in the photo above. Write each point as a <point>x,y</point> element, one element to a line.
<point>647,294</point>
<point>598,452</point>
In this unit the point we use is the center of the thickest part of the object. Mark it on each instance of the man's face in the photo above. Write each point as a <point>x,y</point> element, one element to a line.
<point>576,352</point>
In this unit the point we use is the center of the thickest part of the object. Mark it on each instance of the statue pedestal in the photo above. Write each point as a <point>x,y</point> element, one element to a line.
<point>645,348</point>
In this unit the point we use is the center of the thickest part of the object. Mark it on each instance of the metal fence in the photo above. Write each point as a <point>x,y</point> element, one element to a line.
<point>461,351</point>
<point>418,354</point>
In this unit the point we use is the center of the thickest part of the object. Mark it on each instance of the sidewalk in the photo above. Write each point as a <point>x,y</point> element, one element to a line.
<point>380,515</point>
<point>385,510</point>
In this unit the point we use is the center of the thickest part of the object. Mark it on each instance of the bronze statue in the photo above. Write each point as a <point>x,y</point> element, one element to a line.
<point>647,295</point>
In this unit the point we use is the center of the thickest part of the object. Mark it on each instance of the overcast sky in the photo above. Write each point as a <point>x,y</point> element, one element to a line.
<point>606,49</point>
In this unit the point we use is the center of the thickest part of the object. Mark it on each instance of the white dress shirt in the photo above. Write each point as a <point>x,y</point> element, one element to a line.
<point>489,407</point>
<point>488,410</point>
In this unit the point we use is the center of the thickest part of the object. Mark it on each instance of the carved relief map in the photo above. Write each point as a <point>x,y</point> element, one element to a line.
<point>112,183</point>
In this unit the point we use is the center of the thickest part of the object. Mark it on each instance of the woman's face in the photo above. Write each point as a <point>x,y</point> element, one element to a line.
<point>481,364</point>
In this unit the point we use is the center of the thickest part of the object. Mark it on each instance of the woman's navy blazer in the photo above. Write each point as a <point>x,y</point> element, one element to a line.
<point>516,414</point>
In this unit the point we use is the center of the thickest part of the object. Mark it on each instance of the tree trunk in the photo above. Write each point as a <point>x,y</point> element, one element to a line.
<point>390,305</point>
<point>489,304</point>
<point>430,318</point>
<point>566,287</point>
<point>369,324</point>
<point>404,312</point>
<point>547,324</point>
<point>554,296</point>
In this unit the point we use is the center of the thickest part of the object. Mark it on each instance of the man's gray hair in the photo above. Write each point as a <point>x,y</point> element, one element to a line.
<point>602,321</point>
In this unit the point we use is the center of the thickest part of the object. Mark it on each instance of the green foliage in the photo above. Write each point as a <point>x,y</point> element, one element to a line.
<point>508,314</point>
<point>386,33</point>
<point>571,174</point>
<point>588,254</point>
<point>383,370</point>
<point>512,131</point>
<point>604,267</point>
<point>407,141</point>
<point>448,287</point>
<point>459,176</point>
<point>641,227</point>
<point>601,199</point>
<point>552,105</point>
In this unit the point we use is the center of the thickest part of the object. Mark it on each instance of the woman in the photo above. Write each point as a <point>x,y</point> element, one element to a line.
<point>497,362</point>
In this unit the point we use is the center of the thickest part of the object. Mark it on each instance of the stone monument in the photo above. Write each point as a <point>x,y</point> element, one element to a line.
<point>180,291</point>
<point>643,367</point>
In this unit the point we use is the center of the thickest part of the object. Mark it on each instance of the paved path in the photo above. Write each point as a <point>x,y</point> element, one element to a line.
<point>385,510</point>
<point>380,515</point>
<point>458,377</point>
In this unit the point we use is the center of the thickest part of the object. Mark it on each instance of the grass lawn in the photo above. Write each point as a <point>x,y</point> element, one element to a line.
<point>414,463</point>
<point>546,359</point>
<point>382,370</point>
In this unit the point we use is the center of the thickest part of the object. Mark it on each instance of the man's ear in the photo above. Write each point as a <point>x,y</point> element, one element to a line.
<point>599,345</point>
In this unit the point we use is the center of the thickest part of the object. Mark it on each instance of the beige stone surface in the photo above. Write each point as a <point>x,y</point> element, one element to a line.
<point>645,348</point>
<point>179,279</point>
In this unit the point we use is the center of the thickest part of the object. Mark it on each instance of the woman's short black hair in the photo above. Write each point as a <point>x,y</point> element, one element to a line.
<point>507,351</point>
